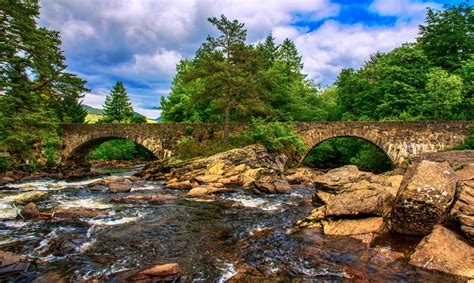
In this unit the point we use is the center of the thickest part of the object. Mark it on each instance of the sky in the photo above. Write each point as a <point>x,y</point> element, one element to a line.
<point>140,41</point>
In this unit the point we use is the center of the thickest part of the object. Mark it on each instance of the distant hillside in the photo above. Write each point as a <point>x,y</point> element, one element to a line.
<point>92,110</point>
<point>94,114</point>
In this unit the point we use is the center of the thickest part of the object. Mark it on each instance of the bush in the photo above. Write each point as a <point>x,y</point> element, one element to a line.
<point>188,147</point>
<point>277,136</point>
<point>120,150</point>
<point>5,164</point>
<point>468,141</point>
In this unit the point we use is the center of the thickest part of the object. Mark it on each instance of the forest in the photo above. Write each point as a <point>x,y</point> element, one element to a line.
<point>230,80</point>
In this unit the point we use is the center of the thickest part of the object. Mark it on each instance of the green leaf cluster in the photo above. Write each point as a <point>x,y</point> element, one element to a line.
<point>119,149</point>
<point>36,93</point>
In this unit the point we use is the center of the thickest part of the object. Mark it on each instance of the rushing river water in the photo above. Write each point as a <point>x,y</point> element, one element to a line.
<point>238,236</point>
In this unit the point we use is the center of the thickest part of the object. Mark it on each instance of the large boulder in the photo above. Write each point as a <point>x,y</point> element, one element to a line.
<point>426,193</point>
<point>348,192</point>
<point>463,209</point>
<point>446,251</point>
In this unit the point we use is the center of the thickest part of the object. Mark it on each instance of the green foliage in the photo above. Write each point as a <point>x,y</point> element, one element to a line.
<point>447,37</point>
<point>337,152</point>
<point>120,150</point>
<point>188,147</point>
<point>5,164</point>
<point>117,105</point>
<point>468,142</point>
<point>137,119</point>
<point>38,94</point>
<point>277,136</point>
<point>231,80</point>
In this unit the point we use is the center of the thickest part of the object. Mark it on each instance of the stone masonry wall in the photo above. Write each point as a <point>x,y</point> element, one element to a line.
<point>397,139</point>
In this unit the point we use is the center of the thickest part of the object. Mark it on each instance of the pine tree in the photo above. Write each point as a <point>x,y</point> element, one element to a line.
<point>230,71</point>
<point>289,54</point>
<point>269,50</point>
<point>117,106</point>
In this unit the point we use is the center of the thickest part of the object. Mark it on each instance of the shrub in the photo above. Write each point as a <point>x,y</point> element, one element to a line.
<point>468,141</point>
<point>277,136</point>
<point>120,150</point>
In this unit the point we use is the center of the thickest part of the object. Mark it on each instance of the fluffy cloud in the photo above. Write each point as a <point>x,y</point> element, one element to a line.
<point>335,46</point>
<point>140,41</point>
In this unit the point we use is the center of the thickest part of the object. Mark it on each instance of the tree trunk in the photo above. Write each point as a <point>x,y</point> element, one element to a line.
<point>226,123</point>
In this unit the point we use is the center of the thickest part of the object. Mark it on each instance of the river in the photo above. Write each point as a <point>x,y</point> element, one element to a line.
<point>238,236</point>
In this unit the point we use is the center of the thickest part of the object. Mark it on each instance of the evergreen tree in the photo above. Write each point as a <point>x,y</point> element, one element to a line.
<point>38,92</point>
<point>117,106</point>
<point>268,50</point>
<point>230,71</point>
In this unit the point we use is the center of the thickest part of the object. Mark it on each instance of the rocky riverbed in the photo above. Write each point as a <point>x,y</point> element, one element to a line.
<point>240,216</point>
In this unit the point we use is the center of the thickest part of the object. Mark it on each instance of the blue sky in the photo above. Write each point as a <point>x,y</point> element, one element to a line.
<point>140,41</point>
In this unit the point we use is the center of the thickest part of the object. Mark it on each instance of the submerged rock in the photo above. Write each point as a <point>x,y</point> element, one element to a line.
<point>159,273</point>
<point>204,190</point>
<point>30,211</point>
<point>427,192</point>
<point>272,184</point>
<point>120,187</point>
<point>76,212</point>
<point>151,198</point>
<point>28,197</point>
<point>446,251</point>
<point>362,229</point>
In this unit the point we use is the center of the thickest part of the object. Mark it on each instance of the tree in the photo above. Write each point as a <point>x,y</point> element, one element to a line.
<point>117,106</point>
<point>447,37</point>
<point>268,50</point>
<point>443,95</point>
<point>38,93</point>
<point>230,70</point>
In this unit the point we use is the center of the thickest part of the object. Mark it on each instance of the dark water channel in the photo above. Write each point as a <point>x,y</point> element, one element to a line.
<point>238,237</point>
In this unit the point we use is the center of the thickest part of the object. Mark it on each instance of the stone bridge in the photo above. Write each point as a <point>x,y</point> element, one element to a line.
<point>398,140</point>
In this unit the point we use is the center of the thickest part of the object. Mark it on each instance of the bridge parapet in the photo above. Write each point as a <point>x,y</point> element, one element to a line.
<point>397,139</point>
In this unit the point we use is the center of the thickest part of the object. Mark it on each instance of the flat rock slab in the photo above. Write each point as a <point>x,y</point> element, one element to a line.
<point>361,229</point>
<point>446,251</point>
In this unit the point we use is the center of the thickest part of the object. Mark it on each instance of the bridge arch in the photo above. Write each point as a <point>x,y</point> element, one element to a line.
<point>82,150</point>
<point>383,146</point>
<point>388,159</point>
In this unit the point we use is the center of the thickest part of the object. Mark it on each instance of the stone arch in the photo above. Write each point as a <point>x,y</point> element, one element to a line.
<point>79,150</point>
<point>381,147</point>
<point>379,138</point>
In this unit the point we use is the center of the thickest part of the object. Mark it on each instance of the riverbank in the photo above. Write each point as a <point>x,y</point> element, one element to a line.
<point>239,216</point>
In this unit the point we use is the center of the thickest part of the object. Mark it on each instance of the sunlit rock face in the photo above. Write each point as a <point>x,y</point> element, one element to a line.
<point>427,192</point>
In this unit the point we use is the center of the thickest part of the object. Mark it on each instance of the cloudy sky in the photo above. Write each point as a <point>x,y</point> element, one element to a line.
<point>140,41</point>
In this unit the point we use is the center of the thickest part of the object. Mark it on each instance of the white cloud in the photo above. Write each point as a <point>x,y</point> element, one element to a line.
<point>405,9</point>
<point>162,62</point>
<point>142,41</point>
<point>335,46</point>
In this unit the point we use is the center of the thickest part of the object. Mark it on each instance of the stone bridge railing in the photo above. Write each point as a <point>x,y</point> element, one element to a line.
<point>397,139</point>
